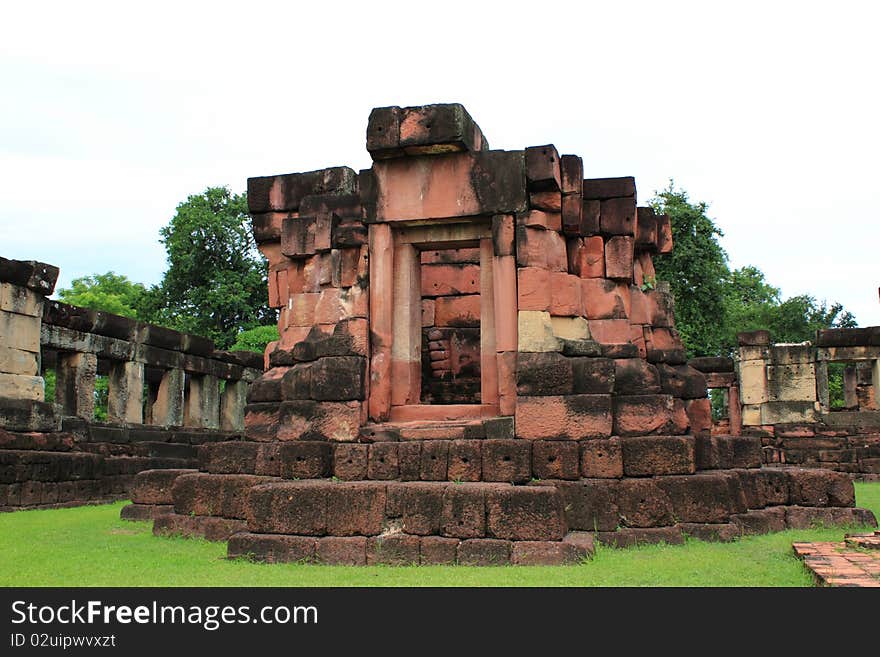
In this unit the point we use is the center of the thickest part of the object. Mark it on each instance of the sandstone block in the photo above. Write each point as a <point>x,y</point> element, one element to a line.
<point>619,258</point>
<point>618,216</point>
<point>634,376</point>
<point>611,332</point>
<point>484,552</point>
<point>586,257</point>
<point>605,188</point>
<point>271,549</point>
<point>533,289</point>
<point>571,417</point>
<point>535,332</point>
<point>642,503</point>
<point>438,550</point>
<point>342,550</point>
<point>566,297</point>
<point>418,505</point>
<point>601,458</point>
<point>507,460</point>
<point>524,513</point>
<point>350,461</point>
<point>570,329</point>
<point>542,168</point>
<point>464,511</point>
<point>450,279</point>
<point>464,460</point>
<point>547,373</point>
<point>555,459</point>
<point>592,376</point>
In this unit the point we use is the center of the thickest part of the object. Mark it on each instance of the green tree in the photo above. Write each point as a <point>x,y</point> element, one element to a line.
<point>215,284</point>
<point>110,292</point>
<point>713,303</point>
<point>255,339</point>
<point>753,304</point>
<point>696,271</point>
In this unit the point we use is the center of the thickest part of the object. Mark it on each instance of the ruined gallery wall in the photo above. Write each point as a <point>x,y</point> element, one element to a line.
<point>786,399</point>
<point>165,396</point>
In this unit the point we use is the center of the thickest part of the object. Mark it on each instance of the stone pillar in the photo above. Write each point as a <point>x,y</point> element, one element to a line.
<point>232,402</point>
<point>151,393</point>
<point>875,381</point>
<point>506,336</point>
<point>21,312</point>
<point>734,411</point>
<point>381,319</point>
<point>488,360</point>
<point>203,402</point>
<point>822,393</point>
<point>125,401</point>
<point>168,407</point>
<point>752,359</point>
<point>406,347</point>
<point>850,387</point>
<point>75,384</point>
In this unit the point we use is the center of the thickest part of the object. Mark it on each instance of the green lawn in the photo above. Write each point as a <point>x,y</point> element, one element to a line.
<point>91,546</point>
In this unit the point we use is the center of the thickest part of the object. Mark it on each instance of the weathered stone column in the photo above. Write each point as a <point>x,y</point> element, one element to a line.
<point>734,411</point>
<point>506,326</point>
<point>822,392</point>
<point>875,381</point>
<point>202,402</point>
<point>168,407</point>
<point>75,384</point>
<point>126,393</point>
<point>406,360</point>
<point>232,402</point>
<point>850,387</point>
<point>381,319</point>
<point>753,357</point>
<point>488,349</point>
<point>20,316</point>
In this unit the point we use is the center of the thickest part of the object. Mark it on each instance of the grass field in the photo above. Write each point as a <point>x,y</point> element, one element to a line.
<point>91,546</point>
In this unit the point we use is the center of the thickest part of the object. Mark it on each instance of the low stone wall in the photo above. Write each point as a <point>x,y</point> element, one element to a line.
<point>89,464</point>
<point>849,449</point>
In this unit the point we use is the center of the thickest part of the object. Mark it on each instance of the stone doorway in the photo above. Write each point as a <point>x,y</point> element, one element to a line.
<point>434,310</point>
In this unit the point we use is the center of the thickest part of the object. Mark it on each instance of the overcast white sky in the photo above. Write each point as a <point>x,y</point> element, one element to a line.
<point>112,113</point>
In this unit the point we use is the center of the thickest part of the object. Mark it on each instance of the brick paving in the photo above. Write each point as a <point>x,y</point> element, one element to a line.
<point>853,562</point>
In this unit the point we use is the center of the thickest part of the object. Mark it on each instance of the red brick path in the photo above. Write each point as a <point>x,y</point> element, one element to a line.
<point>854,562</point>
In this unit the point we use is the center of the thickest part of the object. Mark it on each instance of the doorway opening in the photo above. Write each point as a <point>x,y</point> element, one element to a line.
<point>450,284</point>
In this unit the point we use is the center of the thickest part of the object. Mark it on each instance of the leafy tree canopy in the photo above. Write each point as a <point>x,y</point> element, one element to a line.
<point>215,284</point>
<point>255,339</point>
<point>110,292</point>
<point>696,271</point>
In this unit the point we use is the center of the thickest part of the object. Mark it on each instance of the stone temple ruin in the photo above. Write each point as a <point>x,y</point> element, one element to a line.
<point>477,366</point>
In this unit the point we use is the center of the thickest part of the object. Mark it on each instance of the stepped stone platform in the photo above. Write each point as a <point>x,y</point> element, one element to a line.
<point>476,365</point>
